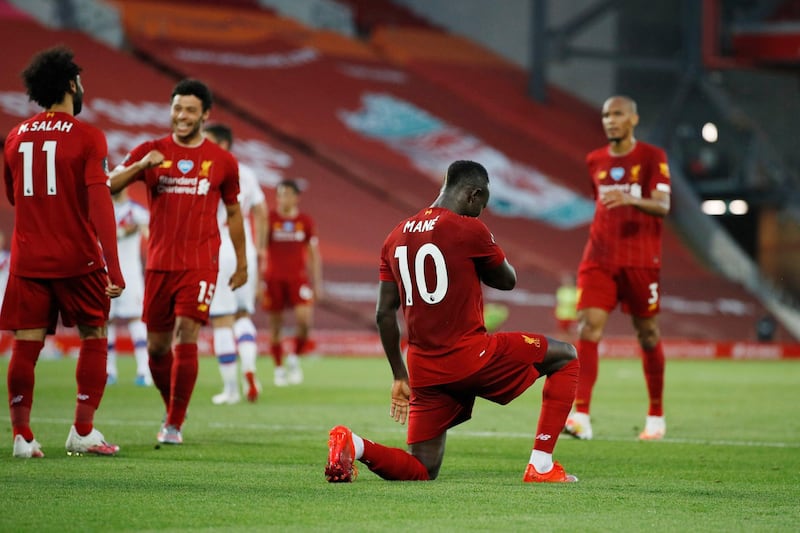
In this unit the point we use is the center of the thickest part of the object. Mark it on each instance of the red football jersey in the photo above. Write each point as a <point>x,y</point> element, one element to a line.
<point>626,236</point>
<point>184,194</point>
<point>435,258</point>
<point>288,239</point>
<point>50,160</point>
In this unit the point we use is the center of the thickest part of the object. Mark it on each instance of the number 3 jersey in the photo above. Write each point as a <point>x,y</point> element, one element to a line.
<point>626,236</point>
<point>50,160</point>
<point>435,258</point>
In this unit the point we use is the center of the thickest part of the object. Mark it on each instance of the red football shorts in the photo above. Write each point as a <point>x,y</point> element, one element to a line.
<point>636,289</point>
<point>32,303</point>
<point>169,294</point>
<point>286,294</point>
<point>508,374</point>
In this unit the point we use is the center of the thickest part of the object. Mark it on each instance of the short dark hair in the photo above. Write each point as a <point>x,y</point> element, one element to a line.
<point>221,132</point>
<point>292,184</point>
<point>189,87</point>
<point>48,75</point>
<point>461,173</point>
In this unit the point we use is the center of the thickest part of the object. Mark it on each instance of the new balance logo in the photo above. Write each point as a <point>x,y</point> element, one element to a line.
<point>543,436</point>
<point>83,397</point>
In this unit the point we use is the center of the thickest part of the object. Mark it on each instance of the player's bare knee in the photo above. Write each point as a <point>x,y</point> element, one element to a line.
<point>91,332</point>
<point>649,340</point>
<point>157,350</point>
<point>648,337</point>
<point>431,464</point>
<point>561,351</point>
<point>590,332</point>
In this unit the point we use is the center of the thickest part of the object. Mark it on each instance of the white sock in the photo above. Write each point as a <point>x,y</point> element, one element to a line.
<point>138,332</point>
<point>245,332</point>
<point>225,350</point>
<point>541,461</point>
<point>228,373</point>
<point>111,360</point>
<point>358,444</point>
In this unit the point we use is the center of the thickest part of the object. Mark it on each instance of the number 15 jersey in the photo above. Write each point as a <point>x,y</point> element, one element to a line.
<point>435,258</point>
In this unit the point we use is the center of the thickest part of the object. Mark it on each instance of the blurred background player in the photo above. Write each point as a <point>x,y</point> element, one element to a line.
<point>63,241</point>
<point>494,316</point>
<point>132,220</point>
<point>622,260</point>
<point>231,311</point>
<point>292,259</point>
<point>186,176</point>
<point>566,311</point>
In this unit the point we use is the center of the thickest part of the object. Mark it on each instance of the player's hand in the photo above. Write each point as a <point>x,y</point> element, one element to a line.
<point>113,291</point>
<point>239,278</point>
<point>152,159</point>
<point>401,392</point>
<point>616,198</point>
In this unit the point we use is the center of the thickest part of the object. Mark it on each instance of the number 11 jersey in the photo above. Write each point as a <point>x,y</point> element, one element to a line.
<point>50,161</point>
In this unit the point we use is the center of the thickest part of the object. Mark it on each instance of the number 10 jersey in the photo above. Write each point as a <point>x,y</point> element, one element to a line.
<point>435,258</point>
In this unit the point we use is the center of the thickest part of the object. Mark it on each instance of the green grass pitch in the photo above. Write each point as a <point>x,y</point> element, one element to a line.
<point>730,462</point>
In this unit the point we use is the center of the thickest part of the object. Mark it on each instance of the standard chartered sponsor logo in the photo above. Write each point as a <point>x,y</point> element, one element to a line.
<point>183,185</point>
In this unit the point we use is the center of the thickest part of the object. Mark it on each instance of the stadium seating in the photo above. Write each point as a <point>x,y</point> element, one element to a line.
<point>370,126</point>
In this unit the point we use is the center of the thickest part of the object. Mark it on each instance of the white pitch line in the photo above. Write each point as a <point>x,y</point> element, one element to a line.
<point>453,432</point>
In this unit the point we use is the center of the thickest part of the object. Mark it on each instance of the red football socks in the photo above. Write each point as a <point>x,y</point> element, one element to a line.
<point>277,353</point>
<point>589,360</point>
<point>653,363</point>
<point>393,463</point>
<point>24,355</point>
<point>557,395</point>
<point>90,375</point>
<point>300,345</point>
<point>184,377</point>
<point>161,370</point>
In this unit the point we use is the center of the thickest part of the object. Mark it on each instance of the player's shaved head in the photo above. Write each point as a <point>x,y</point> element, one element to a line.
<point>466,173</point>
<point>465,190</point>
<point>626,101</point>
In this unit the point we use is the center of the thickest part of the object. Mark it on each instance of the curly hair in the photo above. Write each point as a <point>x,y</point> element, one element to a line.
<point>190,87</point>
<point>48,75</point>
